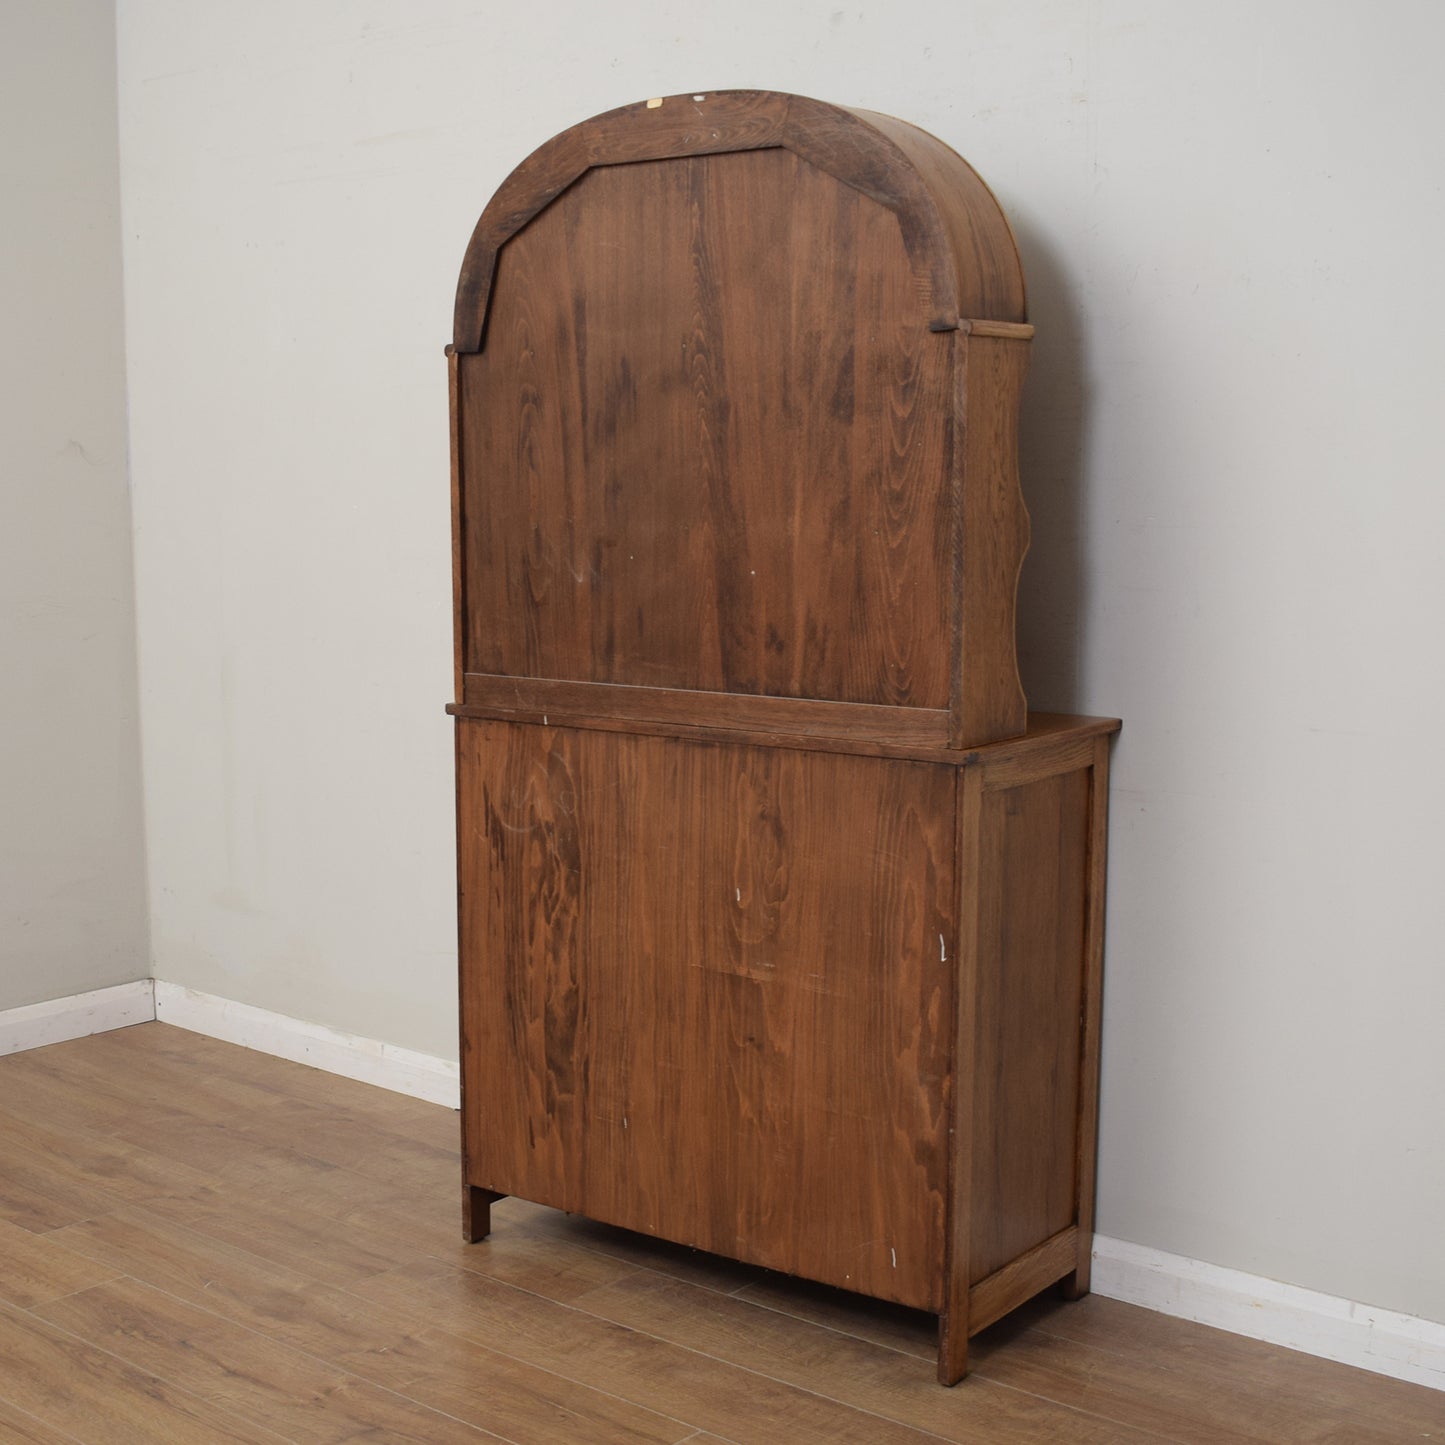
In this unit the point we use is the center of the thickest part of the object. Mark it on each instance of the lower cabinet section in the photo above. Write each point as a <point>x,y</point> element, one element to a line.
<point>827,1013</point>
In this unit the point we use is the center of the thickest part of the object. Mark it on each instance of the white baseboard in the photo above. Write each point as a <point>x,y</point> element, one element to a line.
<point>58,1019</point>
<point>1405,1346</point>
<point>424,1076</point>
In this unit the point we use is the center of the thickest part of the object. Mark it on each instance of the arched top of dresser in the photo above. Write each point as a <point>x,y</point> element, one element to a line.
<point>957,236</point>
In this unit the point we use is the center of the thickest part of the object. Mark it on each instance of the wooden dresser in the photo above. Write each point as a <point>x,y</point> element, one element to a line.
<point>781,918</point>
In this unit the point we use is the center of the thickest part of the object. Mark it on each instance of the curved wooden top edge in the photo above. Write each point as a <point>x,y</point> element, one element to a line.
<point>932,190</point>
<point>992,246</point>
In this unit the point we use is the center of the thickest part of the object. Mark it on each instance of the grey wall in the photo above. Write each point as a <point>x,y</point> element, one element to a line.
<point>72,872</point>
<point>1232,220</point>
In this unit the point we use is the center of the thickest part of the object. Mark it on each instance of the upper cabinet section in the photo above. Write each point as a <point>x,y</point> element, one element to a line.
<point>956,236</point>
<point>736,383</point>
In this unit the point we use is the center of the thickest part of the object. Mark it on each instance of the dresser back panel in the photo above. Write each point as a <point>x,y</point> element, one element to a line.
<point>706,444</point>
<point>780,919</point>
<point>709,996</point>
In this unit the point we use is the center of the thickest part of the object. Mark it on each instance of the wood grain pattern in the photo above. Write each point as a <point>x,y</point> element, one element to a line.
<point>89,1395</point>
<point>34,1268</point>
<point>684,993</point>
<point>1030,830</point>
<point>479,1386</point>
<point>980,241</point>
<point>714,445</point>
<point>864,1376</point>
<point>337,1246</point>
<point>20,1427</point>
<point>1049,756</point>
<point>1199,1384</point>
<point>988,698</point>
<point>245,1374</point>
<point>905,726</point>
<point>958,238</point>
<point>1008,330</point>
<point>971,960</point>
<point>42,1187</point>
<point>523,1403</point>
<point>691,453</point>
<point>1032,881</point>
<point>1022,1278</point>
<point>1086,1143</point>
<point>600,964</point>
<point>735,399</point>
<point>669,1376</point>
<point>560,1328</point>
<point>1031,753</point>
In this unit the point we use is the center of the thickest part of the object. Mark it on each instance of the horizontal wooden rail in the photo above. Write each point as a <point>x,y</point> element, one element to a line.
<point>741,711</point>
<point>1007,1288</point>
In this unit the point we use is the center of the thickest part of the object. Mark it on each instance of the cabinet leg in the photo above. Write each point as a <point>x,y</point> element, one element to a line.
<point>1076,1285</point>
<point>477,1212</point>
<point>953,1345</point>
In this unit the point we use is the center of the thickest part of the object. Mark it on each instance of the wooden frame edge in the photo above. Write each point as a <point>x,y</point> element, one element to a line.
<point>954,1320</point>
<point>1022,1278</point>
<point>1087,1133</point>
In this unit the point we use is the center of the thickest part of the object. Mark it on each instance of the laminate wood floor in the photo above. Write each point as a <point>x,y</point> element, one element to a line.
<point>201,1243</point>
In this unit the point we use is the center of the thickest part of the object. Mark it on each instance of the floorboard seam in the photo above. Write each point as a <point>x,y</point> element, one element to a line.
<point>979,1377</point>
<point>548,1369</point>
<point>351,1371</point>
<point>746,1369</point>
<point>44,1324</point>
<point>315,1359</point>
<point>43,1423</point>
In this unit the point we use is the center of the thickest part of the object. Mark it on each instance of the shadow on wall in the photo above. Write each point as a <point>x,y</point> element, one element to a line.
<point>1054,584</point>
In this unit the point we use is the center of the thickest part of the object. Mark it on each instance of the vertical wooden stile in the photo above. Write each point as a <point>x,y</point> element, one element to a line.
<point>1077,1284</point>
<point>954,1320</point>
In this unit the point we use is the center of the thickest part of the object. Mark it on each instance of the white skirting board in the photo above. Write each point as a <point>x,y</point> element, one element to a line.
<point>59,1019</point>
<point>1246,1304</point>
<point>423,1076</point>
<point>1405,1346</point>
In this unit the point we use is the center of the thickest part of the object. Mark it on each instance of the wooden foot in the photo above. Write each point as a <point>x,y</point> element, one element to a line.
<point>953,1345</point>
<point>1076,1285</point>
<point>477,1212</point>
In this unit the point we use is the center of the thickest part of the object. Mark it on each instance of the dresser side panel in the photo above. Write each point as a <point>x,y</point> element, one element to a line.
<point>1032,870</point>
